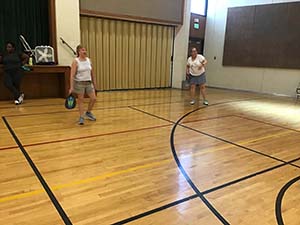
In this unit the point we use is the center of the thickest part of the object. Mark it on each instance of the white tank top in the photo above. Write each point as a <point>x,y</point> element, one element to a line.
<point>83,70</point>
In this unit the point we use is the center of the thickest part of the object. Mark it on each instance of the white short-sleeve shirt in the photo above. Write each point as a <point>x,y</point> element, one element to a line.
<point>195,64</point>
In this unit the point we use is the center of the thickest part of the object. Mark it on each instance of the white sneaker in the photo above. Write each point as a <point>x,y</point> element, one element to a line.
<point>17,102</point>
<point>21,98</point>
<point>192,102</point>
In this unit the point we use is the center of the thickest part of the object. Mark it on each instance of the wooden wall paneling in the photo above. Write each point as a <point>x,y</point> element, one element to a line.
<point>239,36</point>
<point>263,36</point>
<point>293,44</point>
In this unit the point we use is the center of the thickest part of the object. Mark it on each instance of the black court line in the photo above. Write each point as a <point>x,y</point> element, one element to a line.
<point>228,184</point>
<point>105,134</point>
<point>52,197</point>
<point>278,204</point>
<point>197,109</point>
<point>213,136</point>
<point>237,145</point>
<point>156,210</point>
<point>201,196</point>
<point>268,123</point>
<point>186,176</point>
<point>249,176</point>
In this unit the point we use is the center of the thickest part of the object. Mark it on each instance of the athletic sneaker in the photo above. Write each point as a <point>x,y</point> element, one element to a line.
<point>90,116</point>
<point>205,102</point>
<point>21,98</point>
<point>192,102</point>
<point>81,120</point>
<point>17,102</point>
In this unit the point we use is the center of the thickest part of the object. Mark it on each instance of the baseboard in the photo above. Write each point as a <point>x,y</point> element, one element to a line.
<point>249,91</point>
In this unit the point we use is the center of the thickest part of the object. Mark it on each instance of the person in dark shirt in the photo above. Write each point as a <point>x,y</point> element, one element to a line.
<point>13,61</point>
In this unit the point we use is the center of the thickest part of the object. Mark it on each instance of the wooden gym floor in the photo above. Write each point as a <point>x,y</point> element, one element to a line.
<point>151,158</point>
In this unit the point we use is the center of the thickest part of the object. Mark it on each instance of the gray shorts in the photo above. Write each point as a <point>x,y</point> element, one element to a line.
<point>82,87</point>
<point>198,79</point>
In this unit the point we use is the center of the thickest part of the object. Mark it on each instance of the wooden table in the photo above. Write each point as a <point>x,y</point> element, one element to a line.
<point>44,81</point>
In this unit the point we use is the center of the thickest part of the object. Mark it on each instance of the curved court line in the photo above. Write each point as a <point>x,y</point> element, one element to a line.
<point>278,204</point>
<point>184,173</point>
<point>180,201</point>
<point>102,176</point>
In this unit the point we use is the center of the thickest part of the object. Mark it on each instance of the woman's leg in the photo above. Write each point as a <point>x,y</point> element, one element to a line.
<point>92,96</point>
<point>17,83</point>
<point>89,114</point>
<point>80,98</point>
<point>192,91</point>
<point>9,83</point>
<point>203,91</point>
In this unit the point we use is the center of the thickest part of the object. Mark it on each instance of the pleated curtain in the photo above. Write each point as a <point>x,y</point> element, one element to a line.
<point>128,55</point>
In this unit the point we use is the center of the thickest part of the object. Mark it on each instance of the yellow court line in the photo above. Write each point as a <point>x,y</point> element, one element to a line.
<point>120,172</point>
<point>23,195</point>
<point>103,176</point>
<point>84,181</point>
<point>265,137</point>
<point>212,149</point>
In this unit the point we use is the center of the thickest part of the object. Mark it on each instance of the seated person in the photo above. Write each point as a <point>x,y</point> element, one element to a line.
<point>13,73</point>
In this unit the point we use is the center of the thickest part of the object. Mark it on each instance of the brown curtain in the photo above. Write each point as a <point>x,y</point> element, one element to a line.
<point>128,55</point>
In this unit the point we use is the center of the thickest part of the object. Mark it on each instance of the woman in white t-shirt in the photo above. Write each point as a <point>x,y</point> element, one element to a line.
<point>83,81</point>
<point>195,72</point>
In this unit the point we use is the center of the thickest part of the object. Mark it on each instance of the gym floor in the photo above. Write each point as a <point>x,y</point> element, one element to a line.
<point>151,158</point>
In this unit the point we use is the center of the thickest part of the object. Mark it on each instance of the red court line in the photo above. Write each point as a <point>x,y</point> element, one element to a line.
<point>9,148</point>
<point>68,111</point>
<point>57,112</point>
<point>96,135</point>
<point>210,118</point>
<point>114,133</point>
<point>29,106</point>
<point>12,106</point>
<point>267,123</point>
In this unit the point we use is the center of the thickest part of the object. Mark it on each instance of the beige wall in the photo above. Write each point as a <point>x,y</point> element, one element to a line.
<point>181,47</point>
<point>266,80</point>
<point>67,25</point>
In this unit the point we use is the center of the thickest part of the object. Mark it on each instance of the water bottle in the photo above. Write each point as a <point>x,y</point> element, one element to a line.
<point>30,62</point>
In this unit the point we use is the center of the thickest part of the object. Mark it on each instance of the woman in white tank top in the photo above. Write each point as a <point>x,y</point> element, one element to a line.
<point>83,81</point>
